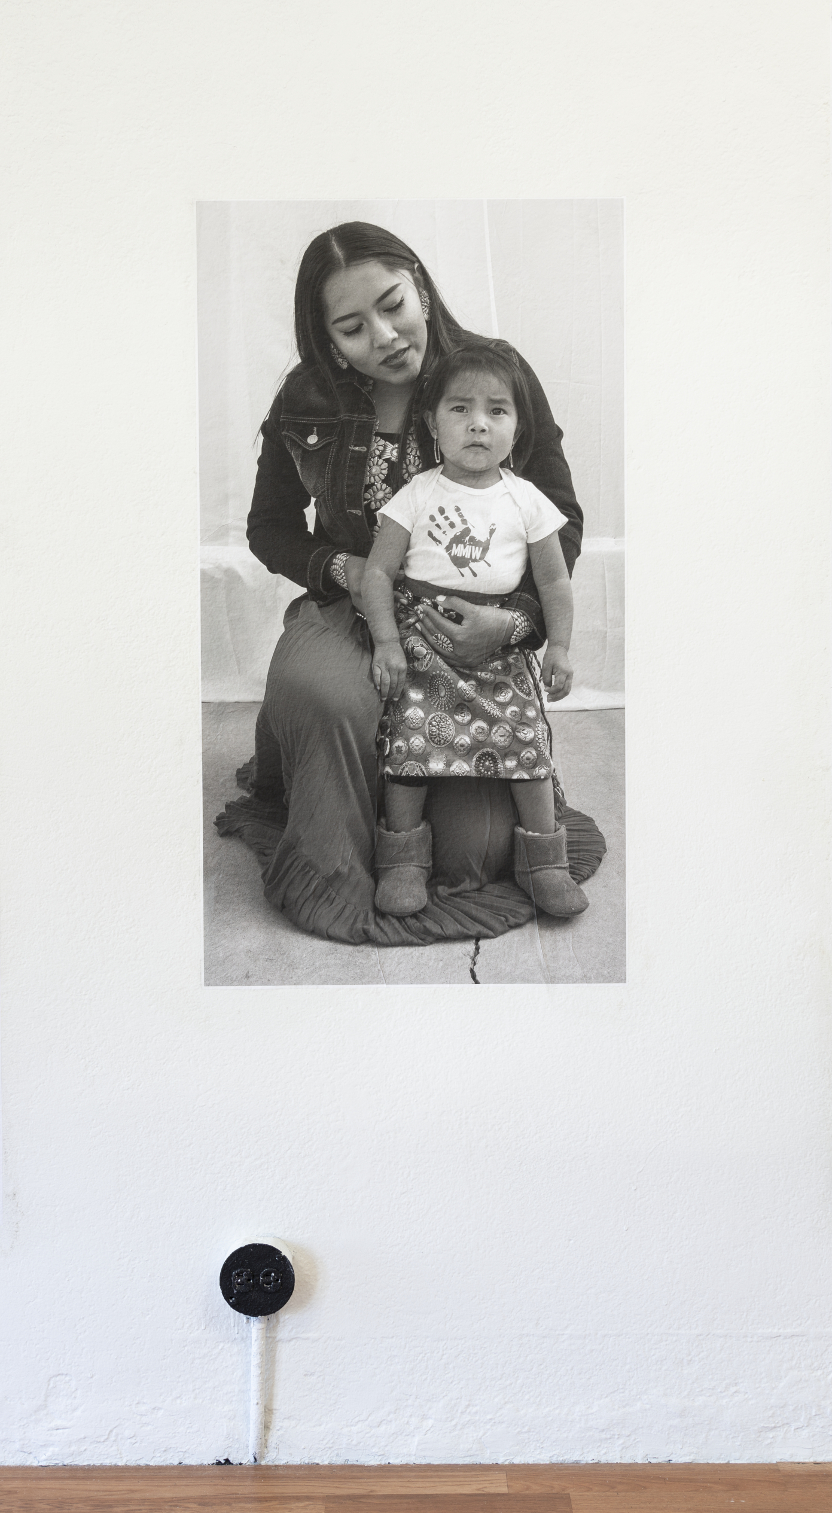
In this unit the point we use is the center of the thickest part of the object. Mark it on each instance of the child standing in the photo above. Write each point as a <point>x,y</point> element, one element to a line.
<point>469,527</point>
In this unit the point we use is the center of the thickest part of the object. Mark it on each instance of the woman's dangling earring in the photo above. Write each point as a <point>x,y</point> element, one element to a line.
<point>436,452</point>
<point>425,304</point>
<point>338,356</point>
<point>511,460</point>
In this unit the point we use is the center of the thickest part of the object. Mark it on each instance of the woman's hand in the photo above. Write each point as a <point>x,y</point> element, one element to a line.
<point>389,668</point>
<point>482,630</point>
<point>556,674</point>
<point>354,574</point>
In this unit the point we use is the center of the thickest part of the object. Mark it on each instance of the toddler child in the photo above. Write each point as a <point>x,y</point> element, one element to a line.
<point>469,526</point>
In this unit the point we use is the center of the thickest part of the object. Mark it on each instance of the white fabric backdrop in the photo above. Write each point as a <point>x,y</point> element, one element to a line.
<point>545,274</point>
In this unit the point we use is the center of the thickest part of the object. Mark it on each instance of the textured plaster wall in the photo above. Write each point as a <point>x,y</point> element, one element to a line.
<point>589,1223</point>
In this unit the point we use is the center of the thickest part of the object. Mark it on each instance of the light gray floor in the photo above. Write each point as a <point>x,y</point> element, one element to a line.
<point>248,943</point>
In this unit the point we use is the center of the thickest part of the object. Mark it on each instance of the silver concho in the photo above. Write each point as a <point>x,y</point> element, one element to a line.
<point>461,714</point>
<point>417,744</point>
<point>500,664</point>
<point>541,773</point>
<point>530,712</point>
<point>491,708</point>
<point>510,763</point>
<point>399,749</point>
<point>436,766</point>
<point>415,694</point>
<point>523,732</point>
<point>516,776</point>
<point>513,712</point>
<point>528,757</point>
<point>479,730</point>
<point>502,736</point>
<point>466,690</point>
<point>440,729</point>
<point>460,770</point>
<point>412,770</point>
<point>487,764</point>
<point>414,717</point>
<point>485,675</point>
<point>418,651</point>
<point>522,684</point>
<point>541,730</point>
<point>502,692</point>
<point>384,743</point>
<point>442,690</point>
<point>462,745</point>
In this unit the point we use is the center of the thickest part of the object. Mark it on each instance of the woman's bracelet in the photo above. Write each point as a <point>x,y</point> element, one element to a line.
<point>522,626</point>
<point>336,569</point>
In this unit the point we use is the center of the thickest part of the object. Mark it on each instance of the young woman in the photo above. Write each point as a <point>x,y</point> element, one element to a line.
<point>369,322</point>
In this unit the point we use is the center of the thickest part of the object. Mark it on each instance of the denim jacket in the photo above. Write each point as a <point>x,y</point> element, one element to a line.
<point>313,450</point>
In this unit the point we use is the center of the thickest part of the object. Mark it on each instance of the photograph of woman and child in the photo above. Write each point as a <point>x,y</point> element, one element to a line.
<point>403,790</point>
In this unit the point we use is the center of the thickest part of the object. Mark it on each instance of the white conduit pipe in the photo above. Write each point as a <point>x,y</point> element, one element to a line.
<point>257,1401</point>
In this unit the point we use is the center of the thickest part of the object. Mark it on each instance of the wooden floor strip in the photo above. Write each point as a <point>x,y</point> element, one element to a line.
<point>780,1488</point>
<point>428,1502</point>
<point>682,1488</point>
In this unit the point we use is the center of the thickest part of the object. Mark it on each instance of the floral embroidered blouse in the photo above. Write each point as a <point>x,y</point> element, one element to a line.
<point>384,454</point>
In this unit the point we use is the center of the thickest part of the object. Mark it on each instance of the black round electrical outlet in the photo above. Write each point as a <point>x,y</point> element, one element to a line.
<point>257,1279</point>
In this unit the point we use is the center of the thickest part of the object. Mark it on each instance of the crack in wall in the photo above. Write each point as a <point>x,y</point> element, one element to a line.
<point>473,964</point>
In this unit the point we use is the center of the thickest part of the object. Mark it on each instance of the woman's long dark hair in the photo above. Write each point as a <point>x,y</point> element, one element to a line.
<point>343,247</point>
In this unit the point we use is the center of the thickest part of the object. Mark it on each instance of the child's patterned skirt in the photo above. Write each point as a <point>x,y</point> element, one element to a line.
<point>485,721</point>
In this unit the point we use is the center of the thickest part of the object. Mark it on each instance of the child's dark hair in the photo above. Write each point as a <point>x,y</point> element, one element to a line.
<point>483,355</point>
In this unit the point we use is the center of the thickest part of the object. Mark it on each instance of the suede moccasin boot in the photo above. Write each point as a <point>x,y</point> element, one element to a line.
<point>541,869</point>
<point>402,869</point>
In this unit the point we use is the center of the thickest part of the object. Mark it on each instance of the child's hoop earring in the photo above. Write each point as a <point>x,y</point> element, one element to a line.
<point>436,452</point>
<point>338,356</point>
<point>425,302</point>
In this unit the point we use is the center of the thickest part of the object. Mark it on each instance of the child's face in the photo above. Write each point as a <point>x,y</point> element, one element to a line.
<point>475,424</point>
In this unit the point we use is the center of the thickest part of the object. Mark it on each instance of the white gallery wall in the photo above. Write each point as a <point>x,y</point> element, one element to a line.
<point>546,275</point>
<point>571,1223</point>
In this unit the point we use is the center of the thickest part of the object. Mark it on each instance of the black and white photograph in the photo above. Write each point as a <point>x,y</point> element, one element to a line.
<point>411,481</point>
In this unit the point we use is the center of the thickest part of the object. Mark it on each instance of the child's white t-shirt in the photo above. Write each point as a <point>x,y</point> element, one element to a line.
<point>471,538</point>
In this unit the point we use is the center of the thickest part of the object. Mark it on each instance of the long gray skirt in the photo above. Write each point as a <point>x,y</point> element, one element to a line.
<point>313,788</point>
